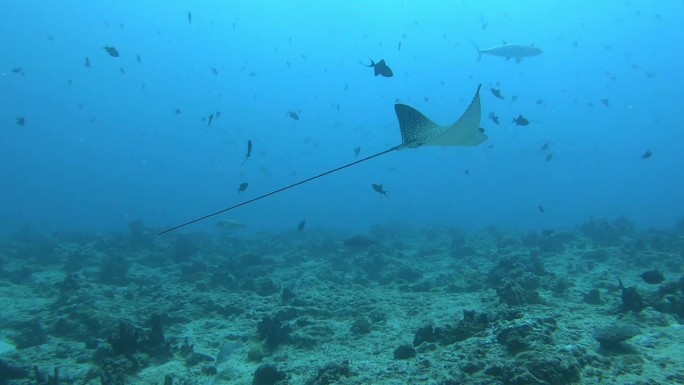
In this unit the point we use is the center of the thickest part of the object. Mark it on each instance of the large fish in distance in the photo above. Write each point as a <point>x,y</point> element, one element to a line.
<point>515,51</point>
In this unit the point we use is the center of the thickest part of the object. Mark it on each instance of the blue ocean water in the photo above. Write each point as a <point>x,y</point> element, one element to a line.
<point>102,146</point>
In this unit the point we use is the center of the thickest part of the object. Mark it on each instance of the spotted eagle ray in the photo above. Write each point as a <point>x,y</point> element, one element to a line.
<point>416,131</point>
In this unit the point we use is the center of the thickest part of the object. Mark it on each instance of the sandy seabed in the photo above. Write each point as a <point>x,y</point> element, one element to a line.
<point>397,305</point>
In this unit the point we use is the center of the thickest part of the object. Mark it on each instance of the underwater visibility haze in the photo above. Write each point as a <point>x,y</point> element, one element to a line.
<point>340,192</point>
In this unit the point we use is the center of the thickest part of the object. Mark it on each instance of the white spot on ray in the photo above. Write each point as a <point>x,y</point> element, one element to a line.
<point>417,130</point>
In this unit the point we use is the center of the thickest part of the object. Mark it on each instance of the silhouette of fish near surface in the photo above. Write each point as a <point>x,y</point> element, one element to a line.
<point>381,68</point>
<point>520,121</point>
<point>113,52</point>
<point>515,51</point>
<point>378,188</point>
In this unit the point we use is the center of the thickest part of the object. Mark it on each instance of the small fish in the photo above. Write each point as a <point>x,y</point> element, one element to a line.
<point>494,118</point>
<point>243,187</point>
<point>189,17</point>
<point>646,154</point>
<point>249,151</point>
<point>229,224</point>
<point>467,172</point>
<point>178,111</point>
<point>652,277</point>
<point>357,151</point>
<point>87,62</point>
<point>21,121</point>
<point>18,70</point>
<point>359,242</point>
<point>540,208</point>
<point>137,57</point>
<point>210,119</point>
<point>605,102</point>
<point>544,147</point>
<point>496,92</point>
<point>122,71</point>
<point>514,98</point>
<point>111,51</point>
<point>214,71</point>
<point>301,225</point>
<point>380,68</point>
<point>378,188</point>
<point>217,114</point>
<point>293,115</point>
<point>399,48</point>
<point>520,121</point>
<point>549,157</point>
<point>539,101</point>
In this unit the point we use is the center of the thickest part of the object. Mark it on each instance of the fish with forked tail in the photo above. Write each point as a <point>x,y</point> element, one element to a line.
<point>496,92</point>
<point>515,51</point>
<point>380,68</point>
<point>378,188</point>
<point>520,121</point>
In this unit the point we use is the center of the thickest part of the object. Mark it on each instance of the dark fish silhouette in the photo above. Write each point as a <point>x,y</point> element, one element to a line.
<point>496,92</point>
<point>539,101</point>
<point>190,17</point>
<point>21,121</point>
<point>210,119</point>
<point>301,225</point>
<point>605,102</point>
<point>292,114</point>
<point>646,154</point>
<point>380,68</point>
<point>18,70</point>
<point>137,57</point>
<point>540,208</point>
<point>178,111</point>
<point>214,71</point>
<point>631,300</point>
<point>652,277</point>
<point>359,242</point>
<point>520,121</point>
<point>243,187</point>
<point>545,146</point>
<point>357,151</point>
<point>416,131</point>
<point>87,62</point>
<point>378,188</point>
<point>122,71</point>
<point>549,157</point>
<point>249,151</point>
<point>111,51</point>
<point>494,118</point>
